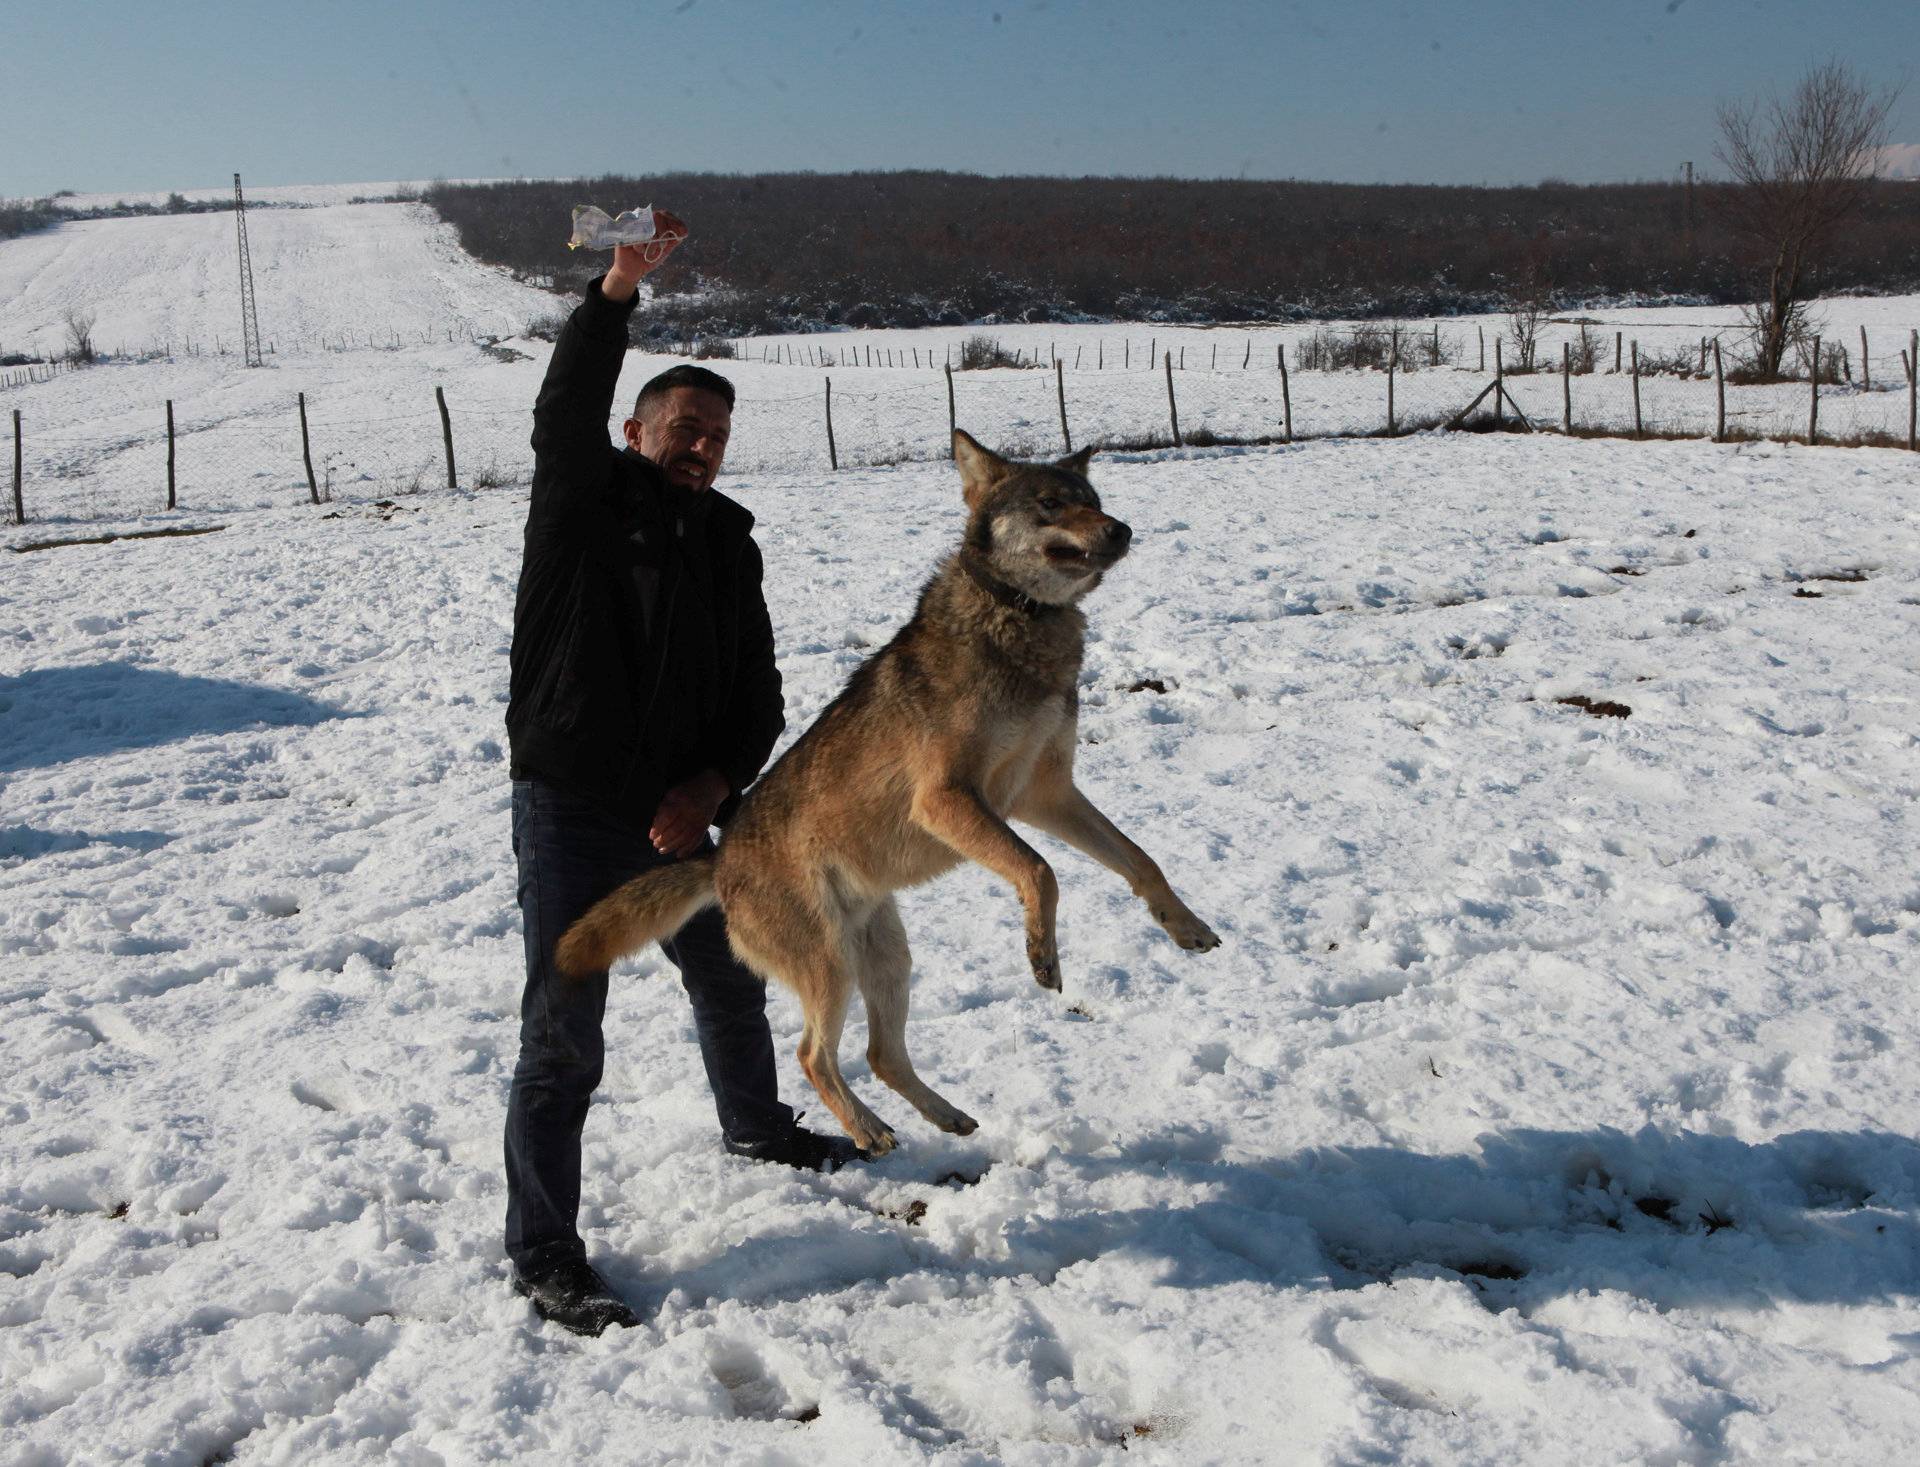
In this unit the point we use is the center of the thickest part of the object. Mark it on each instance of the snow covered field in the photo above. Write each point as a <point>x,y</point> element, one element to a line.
<point>1551,1096</point>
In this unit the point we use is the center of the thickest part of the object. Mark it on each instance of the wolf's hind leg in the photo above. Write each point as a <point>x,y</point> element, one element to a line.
<point>820,1059</point>
<point>884,966</point>
<point>785,940</point>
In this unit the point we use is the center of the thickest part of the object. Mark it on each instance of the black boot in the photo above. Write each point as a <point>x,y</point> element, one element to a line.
<point>798,1147</point>
<point>574,1297</point>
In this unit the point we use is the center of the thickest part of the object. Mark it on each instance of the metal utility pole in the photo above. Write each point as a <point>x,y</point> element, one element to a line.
<point>249,322</point>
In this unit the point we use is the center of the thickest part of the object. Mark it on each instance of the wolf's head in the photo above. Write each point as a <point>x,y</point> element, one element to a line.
<point>1037,527</point>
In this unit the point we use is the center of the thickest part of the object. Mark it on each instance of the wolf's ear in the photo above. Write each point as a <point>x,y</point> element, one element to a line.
<point>980,468</point>
<point>1076,463</point>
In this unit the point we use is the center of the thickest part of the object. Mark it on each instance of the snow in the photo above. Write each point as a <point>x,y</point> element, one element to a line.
<point>1550,1097</point>
<point>1496,970</point>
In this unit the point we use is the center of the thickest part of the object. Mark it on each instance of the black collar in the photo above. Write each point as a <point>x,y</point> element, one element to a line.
<point>999,590</point>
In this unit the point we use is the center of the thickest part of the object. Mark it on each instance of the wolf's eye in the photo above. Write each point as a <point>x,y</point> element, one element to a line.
<point>1050,506</point>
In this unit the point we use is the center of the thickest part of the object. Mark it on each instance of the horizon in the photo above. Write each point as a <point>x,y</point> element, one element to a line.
<point>420,184</point>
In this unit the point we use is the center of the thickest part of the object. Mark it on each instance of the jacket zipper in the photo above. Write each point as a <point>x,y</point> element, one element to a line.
<point>660,647</point>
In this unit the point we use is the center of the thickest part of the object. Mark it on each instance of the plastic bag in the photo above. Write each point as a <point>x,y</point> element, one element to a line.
<point>593,229</point>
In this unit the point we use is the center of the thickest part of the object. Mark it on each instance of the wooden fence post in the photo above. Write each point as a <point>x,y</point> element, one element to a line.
<point>1436,345</point>
<point>446,434</point>
<point>1060,385</point>
<point>1813,397</point>
<point>1566,389</point>
<point>1637,429</point>
<point>1393,358</point>
<point>306,451</point>
<point>1913,377</point>
<point>1286,397</point>
<point>1499,382</point>
<point>1126,353</point>
<point>1153,343</point>
<point>1173,407</point>
<point>1866,372</point>
<point>1248,360</point>
<point>170,497</point>
<point>1720,392</point>
<point>1616,351</point>
<point>833,454</point>
<point>1481,332</point>
<point>1703,356</point>
<point>19,508</point>
<point>953,423</point>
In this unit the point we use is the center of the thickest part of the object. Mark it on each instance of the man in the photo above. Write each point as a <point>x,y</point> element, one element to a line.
<point>644,700</point>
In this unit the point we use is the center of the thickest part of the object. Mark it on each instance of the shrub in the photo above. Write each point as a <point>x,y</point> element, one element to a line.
<point>1584,354</point>
<point>1675,361</point>
<point>79,323</point>
<point>1358,348</point>
<point>23,216</point>
<point>981,351</point>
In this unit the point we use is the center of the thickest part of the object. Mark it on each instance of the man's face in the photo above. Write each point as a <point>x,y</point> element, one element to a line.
<point>685,433</point>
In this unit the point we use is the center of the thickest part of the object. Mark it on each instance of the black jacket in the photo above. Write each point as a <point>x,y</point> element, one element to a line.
<point>642,650</point>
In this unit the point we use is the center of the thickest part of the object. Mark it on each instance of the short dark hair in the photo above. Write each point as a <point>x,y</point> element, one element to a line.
<point>683,376</point>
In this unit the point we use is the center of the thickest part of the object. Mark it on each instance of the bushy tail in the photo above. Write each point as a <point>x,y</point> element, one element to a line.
<point>645,910</point>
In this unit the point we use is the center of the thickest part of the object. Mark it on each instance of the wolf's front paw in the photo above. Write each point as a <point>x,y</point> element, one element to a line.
<point>1188,930</point>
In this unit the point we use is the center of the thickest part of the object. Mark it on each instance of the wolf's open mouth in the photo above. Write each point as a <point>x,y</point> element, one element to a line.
<point>1062,554</point>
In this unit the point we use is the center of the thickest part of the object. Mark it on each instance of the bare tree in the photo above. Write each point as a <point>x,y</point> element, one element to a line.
<point>79,323</point>
<point>1529,303</point>
<point>1526,314</point>
<point>1800,165</point>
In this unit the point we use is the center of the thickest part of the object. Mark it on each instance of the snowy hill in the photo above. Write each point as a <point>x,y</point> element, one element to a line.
<point>369,273</point>
<point>1551,1097</point>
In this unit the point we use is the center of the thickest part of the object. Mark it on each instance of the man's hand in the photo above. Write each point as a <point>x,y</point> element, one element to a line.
<point>684,815</point>
<point>631,262</point>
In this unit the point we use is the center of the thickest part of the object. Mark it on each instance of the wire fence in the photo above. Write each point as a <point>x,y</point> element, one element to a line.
<point>827,414</point>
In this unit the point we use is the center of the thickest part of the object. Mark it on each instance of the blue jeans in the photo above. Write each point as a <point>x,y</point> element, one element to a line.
<point>571,852</point>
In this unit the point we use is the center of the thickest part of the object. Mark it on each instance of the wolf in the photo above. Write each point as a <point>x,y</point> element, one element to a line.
<point>965,720</point>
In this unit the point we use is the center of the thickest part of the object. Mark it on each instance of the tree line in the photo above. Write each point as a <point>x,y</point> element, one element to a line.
<point>794,251</point>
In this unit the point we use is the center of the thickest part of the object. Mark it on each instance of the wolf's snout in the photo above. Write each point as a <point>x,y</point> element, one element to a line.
<point>1118,536</point>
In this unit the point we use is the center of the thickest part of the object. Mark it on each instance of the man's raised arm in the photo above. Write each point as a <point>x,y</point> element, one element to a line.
<point>570,415</point>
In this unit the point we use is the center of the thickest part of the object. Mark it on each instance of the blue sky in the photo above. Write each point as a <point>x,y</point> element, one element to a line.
<point>100,95</point>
